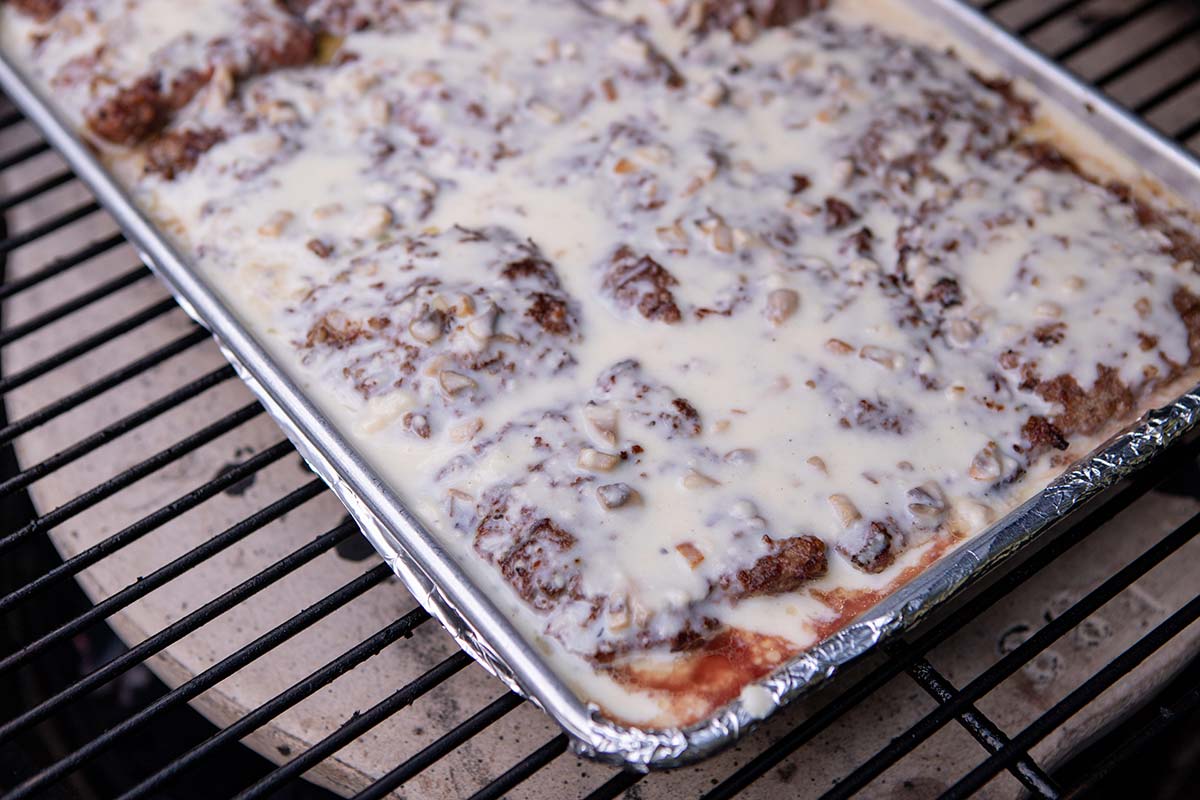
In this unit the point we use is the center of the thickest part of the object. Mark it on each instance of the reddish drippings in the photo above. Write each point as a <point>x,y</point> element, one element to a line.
<point>713,675</point>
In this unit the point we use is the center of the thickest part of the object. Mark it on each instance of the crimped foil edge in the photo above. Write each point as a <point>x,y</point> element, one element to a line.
<point>1119,458</point>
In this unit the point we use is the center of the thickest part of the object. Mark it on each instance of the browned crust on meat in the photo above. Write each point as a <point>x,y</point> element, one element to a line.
<point>41,10</point>
<point>550,313</point>
<point>1180,245</point>
<point>1043,155</point>
<point>838,213</point>
<point>139,111</point>
<point>132,114</point>
<point>145,107</point>
<point>176,152</point>
<point>335,330</point>
<point>1187,305</point>
<point>320,247</point>
<point>687,421</point>
<point>644,284</point>
<point>1089,411</point>
<point>185,86</point>
<point>1084,411</point>
<point>291,48</point>
<point>1005,88</point>
<point>849,604</point>
<point>790,564</point>
<point>876,415</point>
<point>946,292</point>
<point>338,17</point>
<point>522,566</point>
<point>878,547</point>
<point>532,266</point>
<point>526,557</point>
<point>708,15</point>
<point>1109,400</point>
<point>1042,435</point>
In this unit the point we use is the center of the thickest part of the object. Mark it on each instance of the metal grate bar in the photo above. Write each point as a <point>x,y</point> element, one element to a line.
<point>155,462</point>
<point>51,225</point>
<point>1167,716</point>
<point>984,731</point>
<point>112,379</point>
<point>23,154</point>
<point>36,190</point>
<point>942,630</point>
<point>173,569</point>
<point>286,699</point>
<point>357,725</point>
<point>522,770</point>
<point>86,345</point>
<point>205,680</point>
<point>1167,92</point>
<point>1106,27</point>
<point>1076,531</point>
<point>40,321</point>
<point>60,265</point>
<point>107,434</point>
<point>1023,653</point>
<point>445,744</point>
<point>1090,690</point>
<point>178,629</point>
<point>1045,18</point>
<point>616,785</point>
<point>1152,50</point>
<point>1189,131</point>
<point>900,655</point>
<point>10,118</point>
<point>85,558</point>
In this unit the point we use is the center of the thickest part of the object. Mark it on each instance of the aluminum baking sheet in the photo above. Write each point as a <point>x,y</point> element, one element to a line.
<point>442,587</point>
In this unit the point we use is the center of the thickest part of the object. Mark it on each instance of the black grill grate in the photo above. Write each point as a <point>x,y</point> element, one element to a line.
<point>1154,75</point>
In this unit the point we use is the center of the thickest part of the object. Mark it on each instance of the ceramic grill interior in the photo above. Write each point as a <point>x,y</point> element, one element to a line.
<point>188,612</point>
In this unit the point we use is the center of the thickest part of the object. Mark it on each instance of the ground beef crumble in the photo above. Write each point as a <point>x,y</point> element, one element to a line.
<point>175,152</point>
<point>1187,305</point>
<point>41,10</point>
<point>789,565</point>
<point>144,106</point>
<point>838,213</point>
<point>1087,412</point>
<point>703,16</point>
<point>641,282</point>
<point>430,325</point>
<point>648,402</point>
<point>1042,435</point>
<point>133,114</point>
<point>531,567</point>
<point>875,548</point>
<point>550,312</point>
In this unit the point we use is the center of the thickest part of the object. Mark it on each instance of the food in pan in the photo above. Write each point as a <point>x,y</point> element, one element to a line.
<point>694,328</point>
<point>126,67</point>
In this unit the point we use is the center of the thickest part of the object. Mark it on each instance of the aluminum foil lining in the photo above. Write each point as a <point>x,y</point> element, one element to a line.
<point>1118,459</point>
<point>1123,456</point>
<point>606,741</point>
<point>444,589</point>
